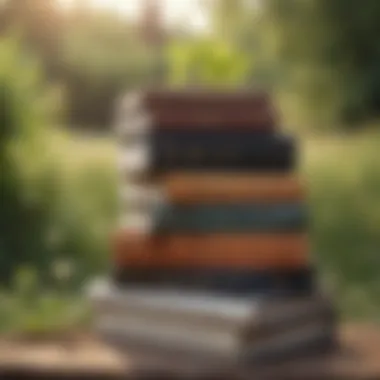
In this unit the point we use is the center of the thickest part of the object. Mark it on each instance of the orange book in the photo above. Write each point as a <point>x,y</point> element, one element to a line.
<point>262,251</point>
<point>231,188</point>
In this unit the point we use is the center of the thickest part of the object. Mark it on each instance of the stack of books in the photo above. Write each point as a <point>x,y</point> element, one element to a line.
<point>212,258</point>
<point>210,198</point>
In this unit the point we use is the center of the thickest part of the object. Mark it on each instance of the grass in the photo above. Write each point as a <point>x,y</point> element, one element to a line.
<point>343,176</point>
<point>29,310</point>
<point>88,194</point>
<point>84,212</point>
<point>343,179</point>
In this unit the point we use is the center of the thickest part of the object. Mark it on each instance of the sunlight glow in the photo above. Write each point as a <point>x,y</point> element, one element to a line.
<point>187,12</point>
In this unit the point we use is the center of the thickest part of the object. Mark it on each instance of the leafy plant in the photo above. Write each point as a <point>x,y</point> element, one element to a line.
<point>207,62</point>
<point>28,178</point>
<point>29,310</point>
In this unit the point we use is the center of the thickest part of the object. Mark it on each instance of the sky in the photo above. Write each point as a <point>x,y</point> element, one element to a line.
<point>174,11</point>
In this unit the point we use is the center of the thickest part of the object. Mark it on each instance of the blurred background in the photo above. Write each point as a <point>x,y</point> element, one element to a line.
<point>63,63</point>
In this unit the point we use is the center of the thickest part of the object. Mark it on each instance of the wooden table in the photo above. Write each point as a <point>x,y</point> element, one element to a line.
<point>85,357</point>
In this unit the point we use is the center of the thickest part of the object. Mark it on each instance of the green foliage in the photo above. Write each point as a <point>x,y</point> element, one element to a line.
<point>241,24</point>
<point>344,200</point>
<point>27,162</point>
<point>225,58</point>
<point>29,310</point>
<point>87,205</point>
<point>102,56</point>
<point>105,48</point>
<point>40,24</point>
<point>344,186</point>
<point>207,62</point>
<point>228,18</point>
<point>328,54</point>
<point>320,57</point>
<point>94,54</point>
<point>50,208</point>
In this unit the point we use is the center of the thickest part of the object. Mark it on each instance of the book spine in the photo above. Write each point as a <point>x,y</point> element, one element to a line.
<point>230,187</point>
<point>222,151</point>
<point>232,218</point>
<point>241,281</point>
<point>261,251</point>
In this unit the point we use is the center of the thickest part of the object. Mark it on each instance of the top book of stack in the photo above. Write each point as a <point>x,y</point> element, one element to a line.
<point>168,110</point>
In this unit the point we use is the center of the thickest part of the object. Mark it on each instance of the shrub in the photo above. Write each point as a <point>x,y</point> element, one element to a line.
<point>50,210</point>
<point>27,180</point>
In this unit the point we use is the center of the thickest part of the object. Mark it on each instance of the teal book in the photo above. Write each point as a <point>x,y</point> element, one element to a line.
<point>232,218</point>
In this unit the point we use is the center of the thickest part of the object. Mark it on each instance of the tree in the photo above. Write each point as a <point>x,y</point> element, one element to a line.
<point>103,55</point>
<point>329,55</point>
<point>41,25</point>
<point>26,175</point>
<point>239,23</point>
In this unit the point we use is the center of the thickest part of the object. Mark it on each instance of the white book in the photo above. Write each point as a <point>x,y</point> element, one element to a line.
<point>135,161</point>
<point>144,196</point>
<point>131,102</point>
<point>131,117</point>
<point>138,222</point>
<point>131,125</point>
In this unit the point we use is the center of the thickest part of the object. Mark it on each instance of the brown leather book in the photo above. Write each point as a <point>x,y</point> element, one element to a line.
<point>262,251</point>
<point>211,188</point>
<point>170,109</point>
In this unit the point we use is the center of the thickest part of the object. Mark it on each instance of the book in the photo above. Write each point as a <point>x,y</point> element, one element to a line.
<point>222,151</point>
<point>230,187</point>
<point>241,217</point>
<point>258,251</point>
<point>241,281</point>
<point>200,110</point>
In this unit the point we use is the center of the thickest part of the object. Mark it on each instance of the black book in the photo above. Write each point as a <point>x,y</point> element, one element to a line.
<point>224,150</point>
<point>223,281</point>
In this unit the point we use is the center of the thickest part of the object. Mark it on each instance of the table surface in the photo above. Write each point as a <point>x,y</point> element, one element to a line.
<point>84,356</point>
